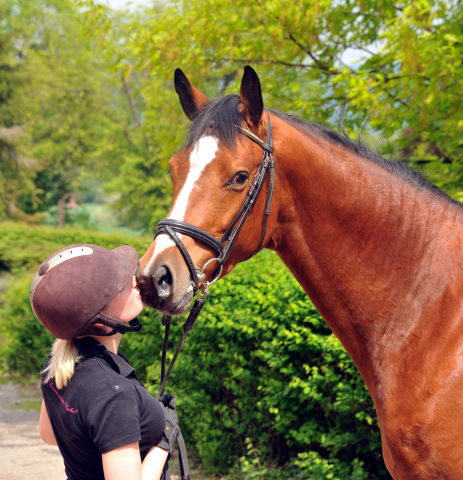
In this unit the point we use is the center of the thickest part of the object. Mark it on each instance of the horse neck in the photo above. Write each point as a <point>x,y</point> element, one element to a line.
<point>361,240</point>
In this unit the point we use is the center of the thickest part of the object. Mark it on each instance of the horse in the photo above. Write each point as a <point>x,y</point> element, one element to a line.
<point>376,247</point>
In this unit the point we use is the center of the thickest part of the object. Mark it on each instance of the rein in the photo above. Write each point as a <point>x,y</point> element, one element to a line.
<point>171,227</point>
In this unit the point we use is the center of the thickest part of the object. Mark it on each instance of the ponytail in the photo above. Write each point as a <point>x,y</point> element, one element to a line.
<point>64,356</point>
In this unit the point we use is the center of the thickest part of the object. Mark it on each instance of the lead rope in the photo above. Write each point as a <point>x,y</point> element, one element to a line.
<point>187,327</point>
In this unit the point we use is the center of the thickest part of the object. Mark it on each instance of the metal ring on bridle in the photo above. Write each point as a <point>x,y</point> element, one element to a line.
<point>202,274</point>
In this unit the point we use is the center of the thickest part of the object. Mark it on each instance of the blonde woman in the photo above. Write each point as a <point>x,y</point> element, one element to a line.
<point>104,421</point>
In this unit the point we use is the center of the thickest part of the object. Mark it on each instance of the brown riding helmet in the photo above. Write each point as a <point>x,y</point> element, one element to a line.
<point>72,286</point>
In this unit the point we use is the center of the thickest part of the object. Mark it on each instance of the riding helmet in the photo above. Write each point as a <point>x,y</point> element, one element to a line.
<point>72,286</point>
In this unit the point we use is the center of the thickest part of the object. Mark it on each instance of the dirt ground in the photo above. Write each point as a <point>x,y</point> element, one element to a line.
<point>22,452</point>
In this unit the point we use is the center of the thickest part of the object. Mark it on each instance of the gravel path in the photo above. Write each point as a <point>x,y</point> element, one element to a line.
<point>24,456</point>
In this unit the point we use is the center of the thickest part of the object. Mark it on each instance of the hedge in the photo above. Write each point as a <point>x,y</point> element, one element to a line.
<point>23,246</point>
<point>264,389</point>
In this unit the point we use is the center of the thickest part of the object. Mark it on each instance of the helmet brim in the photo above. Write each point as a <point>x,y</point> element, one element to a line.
<point>129,263</point>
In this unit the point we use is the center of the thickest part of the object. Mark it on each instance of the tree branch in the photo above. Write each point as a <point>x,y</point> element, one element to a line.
<point>280,62</point>
<point>312,56</point>
<point>133,109</point>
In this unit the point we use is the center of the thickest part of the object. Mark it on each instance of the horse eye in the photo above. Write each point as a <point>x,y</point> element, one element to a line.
<point>239,179</point>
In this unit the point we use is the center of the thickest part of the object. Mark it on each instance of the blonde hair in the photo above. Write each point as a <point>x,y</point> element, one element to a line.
<point>64,356</point>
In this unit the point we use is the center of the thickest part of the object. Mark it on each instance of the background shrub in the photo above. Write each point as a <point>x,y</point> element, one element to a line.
<point>264,388</point>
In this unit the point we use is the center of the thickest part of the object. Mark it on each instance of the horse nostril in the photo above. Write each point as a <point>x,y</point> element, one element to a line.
<point>166,279</point>
<point>162,282</point>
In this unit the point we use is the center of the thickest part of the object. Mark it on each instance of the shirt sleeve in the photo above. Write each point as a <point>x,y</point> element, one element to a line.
<point>113,416</point>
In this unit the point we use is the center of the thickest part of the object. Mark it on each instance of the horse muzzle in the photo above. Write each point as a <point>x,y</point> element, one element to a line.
<point>166,287</point>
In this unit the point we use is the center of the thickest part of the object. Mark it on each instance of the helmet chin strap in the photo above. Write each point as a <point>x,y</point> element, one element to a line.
<point>116,325</point>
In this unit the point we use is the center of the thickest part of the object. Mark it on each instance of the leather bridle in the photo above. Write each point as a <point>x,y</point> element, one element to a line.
<point>172,227</point>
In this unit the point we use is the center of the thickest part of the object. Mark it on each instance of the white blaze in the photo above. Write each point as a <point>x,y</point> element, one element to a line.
<point>201,155</point>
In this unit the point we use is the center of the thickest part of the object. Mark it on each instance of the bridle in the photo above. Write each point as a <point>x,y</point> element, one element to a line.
<point>172,227</point>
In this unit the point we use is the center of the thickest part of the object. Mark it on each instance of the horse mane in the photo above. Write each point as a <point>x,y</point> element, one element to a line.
<point>220,117</point>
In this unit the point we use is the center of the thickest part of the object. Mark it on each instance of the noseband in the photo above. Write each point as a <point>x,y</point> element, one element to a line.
<point>172,227</point>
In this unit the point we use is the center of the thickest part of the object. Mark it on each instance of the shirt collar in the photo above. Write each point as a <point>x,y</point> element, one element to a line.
<point>88,348</point>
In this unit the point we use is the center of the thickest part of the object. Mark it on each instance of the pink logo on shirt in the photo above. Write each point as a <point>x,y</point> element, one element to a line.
<point>66,405</point>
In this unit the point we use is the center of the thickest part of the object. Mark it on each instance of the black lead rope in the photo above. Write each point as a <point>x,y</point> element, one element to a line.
<point>187,326</point>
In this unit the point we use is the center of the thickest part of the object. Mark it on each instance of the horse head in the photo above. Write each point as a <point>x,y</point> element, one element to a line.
<point>212,177</point>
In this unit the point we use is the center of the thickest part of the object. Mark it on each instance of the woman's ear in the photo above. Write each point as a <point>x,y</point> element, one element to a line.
<point>191,99</point>
<point>251,97</point>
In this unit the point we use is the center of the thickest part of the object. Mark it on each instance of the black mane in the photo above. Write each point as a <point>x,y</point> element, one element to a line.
<point>221,115</point>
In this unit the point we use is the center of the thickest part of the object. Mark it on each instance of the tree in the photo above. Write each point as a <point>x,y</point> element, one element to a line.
<point>74,112</point>
<point>398,62</point>
<point>16,170</point>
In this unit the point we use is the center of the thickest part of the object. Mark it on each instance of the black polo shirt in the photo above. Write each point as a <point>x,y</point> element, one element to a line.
<point>103,407</point>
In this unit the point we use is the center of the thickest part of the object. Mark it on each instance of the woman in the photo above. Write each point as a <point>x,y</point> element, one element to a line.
<point>104,421</point>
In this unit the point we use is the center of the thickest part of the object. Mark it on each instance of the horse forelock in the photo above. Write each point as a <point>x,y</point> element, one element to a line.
<point>219,119</point>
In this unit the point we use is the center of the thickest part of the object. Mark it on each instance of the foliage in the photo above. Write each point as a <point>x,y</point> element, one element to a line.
<point>265,390</point>
<point>68,113</point>
<point>20,331</point>
<point>399,62</point>
<point>65,115</point>
<point>19,253</point>
<point>79,217</point>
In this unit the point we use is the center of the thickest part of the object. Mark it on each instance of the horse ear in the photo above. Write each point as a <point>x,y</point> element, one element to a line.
<point>191,99</point>
<point>251,97</point>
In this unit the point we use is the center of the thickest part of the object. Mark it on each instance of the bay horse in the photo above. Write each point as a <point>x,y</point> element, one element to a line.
<point>376,247</point>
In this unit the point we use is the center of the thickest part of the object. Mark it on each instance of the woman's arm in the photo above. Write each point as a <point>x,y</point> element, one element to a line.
<point>45,430</point>
<point>154,463</point>
<point>124,463</point>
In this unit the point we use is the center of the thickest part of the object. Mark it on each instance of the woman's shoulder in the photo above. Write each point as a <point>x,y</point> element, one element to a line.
<point>97,372</point>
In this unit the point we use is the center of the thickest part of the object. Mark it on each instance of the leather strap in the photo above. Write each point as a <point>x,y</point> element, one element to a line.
<point>187,326</point>
<point>266,146</point>
<point>165,475</point>
<point>116,325</point>
<point>166,321</point>
<point>190,230</point>
<point>186,256</point>
<point>184,465</point>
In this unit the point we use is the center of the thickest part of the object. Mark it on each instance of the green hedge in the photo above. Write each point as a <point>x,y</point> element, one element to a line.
<point>23,246</point>
<point>265,390</point>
